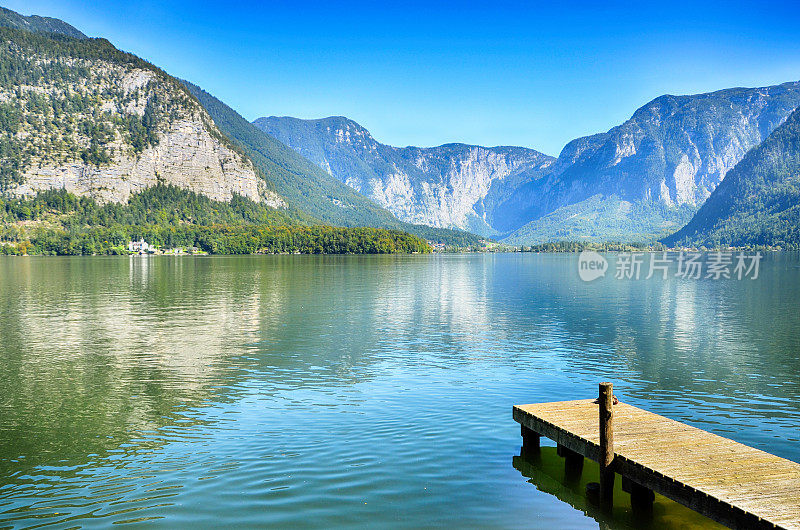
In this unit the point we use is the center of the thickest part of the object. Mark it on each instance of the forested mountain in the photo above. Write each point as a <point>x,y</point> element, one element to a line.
<point>758,203</point>
<point>308,187</point>
<point>37,24</point>
<point>76,114</point>
<point>80,115</point>
<point>646,176</point>
<point>453,185</point>
<point>57,222</point>
<point>639,181</point>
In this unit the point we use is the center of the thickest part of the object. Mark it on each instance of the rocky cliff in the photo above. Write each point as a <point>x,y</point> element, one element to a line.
<point>667,158</point>
<point>78,114</point>
<point>758,203</point>
<point>453,185</point>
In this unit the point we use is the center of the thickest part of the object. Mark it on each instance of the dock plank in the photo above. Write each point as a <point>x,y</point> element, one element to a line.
<point>730,482</point>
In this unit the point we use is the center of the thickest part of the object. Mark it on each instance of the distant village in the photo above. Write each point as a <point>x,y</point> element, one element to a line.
<point>143,248</point>
<point>483,245</point>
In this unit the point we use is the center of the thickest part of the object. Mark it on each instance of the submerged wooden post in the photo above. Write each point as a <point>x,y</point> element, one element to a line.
<point>642,498</point>
<point>733,484</point>
<point>606,404</point>
<point>573,463</point>
<point>530,441</point>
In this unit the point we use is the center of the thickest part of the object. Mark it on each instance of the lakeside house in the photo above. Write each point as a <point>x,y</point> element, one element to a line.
<point>140,246</point>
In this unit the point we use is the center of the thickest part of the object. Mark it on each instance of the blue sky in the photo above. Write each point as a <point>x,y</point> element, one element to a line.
<point>426,73</point>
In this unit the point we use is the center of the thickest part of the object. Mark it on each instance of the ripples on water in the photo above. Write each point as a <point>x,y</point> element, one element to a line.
<point>341,391</point>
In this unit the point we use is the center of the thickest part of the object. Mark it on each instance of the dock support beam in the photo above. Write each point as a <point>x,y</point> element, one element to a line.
<point>573,463</point>
<point>606,401</point>
<point>530,441</point>
<point>641,497</point>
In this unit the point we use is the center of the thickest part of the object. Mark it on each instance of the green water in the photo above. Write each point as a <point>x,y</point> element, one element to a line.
<point>361,391</point>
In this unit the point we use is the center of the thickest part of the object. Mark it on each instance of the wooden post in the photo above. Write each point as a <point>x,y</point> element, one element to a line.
<point>530,441</point>
<point>573,465</point>
<point>641,497</point>
<point>606,401</point>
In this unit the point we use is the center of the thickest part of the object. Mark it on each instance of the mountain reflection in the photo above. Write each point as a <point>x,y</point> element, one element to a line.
<point>114,346</point>
<point>95,352</point>
<point>136,388</point>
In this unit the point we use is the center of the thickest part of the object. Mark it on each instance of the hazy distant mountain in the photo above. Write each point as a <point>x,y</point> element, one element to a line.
<point>453,185</point>
<point>639,181</point>
<point>645,176</point>
<point>37,24</point>
<point>306,186</point>
<point>758,203</point>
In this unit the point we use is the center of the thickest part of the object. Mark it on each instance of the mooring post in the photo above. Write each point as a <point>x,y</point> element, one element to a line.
<point>606,401</point>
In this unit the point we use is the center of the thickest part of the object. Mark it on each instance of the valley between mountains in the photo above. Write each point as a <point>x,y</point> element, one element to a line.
<point>83,118</point>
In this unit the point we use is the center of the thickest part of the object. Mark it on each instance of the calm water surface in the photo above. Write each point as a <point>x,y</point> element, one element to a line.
<point>360,391</point>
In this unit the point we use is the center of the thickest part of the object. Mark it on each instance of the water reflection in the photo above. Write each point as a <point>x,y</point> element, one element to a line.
<point>104,362</point>
<point>684,348</point>
<point>354,390</point>
<point>548,472</point>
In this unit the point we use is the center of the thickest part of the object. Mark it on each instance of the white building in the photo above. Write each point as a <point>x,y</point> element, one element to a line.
<point>139,246</point>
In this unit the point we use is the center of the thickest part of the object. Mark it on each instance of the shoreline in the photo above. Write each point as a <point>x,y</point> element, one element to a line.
<point>169,254</point>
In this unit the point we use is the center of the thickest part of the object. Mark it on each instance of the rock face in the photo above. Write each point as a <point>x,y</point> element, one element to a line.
<point>186,156</point>
<point>638,181</point>
<point>669,156</point>
<point>80,115</point>
<point>453,185</point>
<point>758,203</point>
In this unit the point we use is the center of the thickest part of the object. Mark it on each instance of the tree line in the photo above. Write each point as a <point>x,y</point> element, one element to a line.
<point>59,223</point>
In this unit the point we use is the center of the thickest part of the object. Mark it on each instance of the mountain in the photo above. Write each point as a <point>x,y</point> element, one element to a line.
<point>453,185</point>
<point>78,114</point>
<point>646,177</point>
<point>305,185</point>
<point>37,24</point>
<point>638,181</point>
<point>601,219</point>
<point>300,181</point>
<point>758,203</point>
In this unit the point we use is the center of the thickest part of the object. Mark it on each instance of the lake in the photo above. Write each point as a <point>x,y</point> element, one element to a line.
<point>325,391</point>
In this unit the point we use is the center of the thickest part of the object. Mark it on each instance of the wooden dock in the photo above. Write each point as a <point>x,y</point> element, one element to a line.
<point>731,483</point>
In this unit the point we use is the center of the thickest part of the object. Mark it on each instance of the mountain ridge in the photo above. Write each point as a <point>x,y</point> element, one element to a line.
<point>450,185</point>
<point>672,152</point>
<point>758,203</point>
<point>639,181</point>
<point>38,24</point>
<point>137,127</point>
